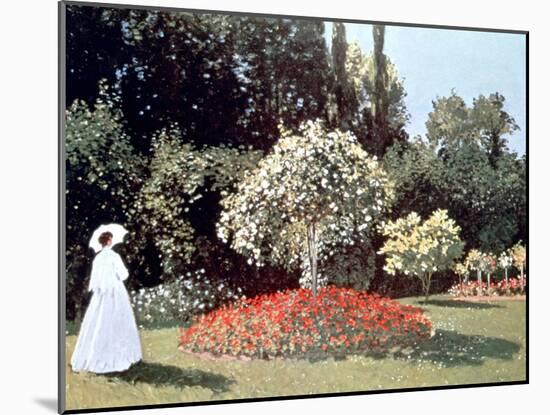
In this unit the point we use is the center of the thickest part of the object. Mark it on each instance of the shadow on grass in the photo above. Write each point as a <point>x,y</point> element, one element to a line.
<point>163,375</point>
<point>451,349</point>
<point>460,304</point>
<point>446,348</point>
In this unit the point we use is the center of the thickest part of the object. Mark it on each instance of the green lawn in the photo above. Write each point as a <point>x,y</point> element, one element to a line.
<point>474,343</point>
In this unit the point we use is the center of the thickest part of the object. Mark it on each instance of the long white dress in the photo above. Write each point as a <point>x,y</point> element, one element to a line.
<point>108,340</point>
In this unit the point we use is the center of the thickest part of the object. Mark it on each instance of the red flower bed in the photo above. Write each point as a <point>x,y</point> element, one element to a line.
<point>294,324</point>
<point>514,286</point>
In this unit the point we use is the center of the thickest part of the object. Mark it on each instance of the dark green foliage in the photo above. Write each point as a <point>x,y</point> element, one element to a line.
<point>354,267</point>
<point>493,123</point>
<point>418,174</point>
<point>223,79</point>
<point>380,101</point>
<point>385,114</point>
<point>95,48</point>
<point>284,70</point>
<point>345,101</point>
<point>488,203</point>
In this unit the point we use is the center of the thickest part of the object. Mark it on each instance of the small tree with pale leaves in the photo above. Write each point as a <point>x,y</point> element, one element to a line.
<point>475,262</point>
<point>421,248</point>
<point>462,271</point>
<point>315,192</point>
<point>505,261</point>
<point>519,256</point>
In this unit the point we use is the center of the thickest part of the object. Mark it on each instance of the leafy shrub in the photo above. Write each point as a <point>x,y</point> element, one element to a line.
<point>181,299</point>
<point>353,268</point>
<point>294,323</point>
<point>180,176</point>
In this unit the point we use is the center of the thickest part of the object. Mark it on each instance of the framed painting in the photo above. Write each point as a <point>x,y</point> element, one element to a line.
<point>259,207</point>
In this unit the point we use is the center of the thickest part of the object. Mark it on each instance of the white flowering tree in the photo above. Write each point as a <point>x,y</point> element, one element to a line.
<point>475,262</point>
<point>315,192</point>
<point>505,262</point>
<point>421,248</point>
<point>462,271</point>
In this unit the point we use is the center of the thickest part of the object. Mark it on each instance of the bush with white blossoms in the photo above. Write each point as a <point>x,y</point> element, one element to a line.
<point>490,267</point>
<point>181,299</point>
<point>475,261</point>
<point>421,248</point>
<point>315,192</point>
<point>505,261</point>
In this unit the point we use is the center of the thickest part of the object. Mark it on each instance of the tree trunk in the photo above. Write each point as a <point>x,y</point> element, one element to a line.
<point>426,284</point>
<point>521,281</point>
<point>479,281</point>
<point>488,282</point>
<point>506,275</point>
<point>312,253</point>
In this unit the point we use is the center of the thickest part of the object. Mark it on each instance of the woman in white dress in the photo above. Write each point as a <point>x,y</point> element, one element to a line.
<point>108,340</point>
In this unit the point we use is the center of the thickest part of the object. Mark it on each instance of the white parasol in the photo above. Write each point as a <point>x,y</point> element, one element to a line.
<point>117,230</point>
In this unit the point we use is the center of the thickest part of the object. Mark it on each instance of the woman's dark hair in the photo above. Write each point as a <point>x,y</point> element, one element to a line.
<point>104,238</point>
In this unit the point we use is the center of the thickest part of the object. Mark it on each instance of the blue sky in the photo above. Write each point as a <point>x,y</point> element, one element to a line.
<point>434,61</point>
